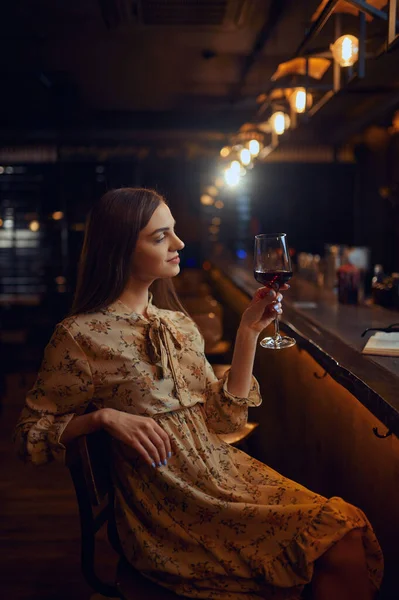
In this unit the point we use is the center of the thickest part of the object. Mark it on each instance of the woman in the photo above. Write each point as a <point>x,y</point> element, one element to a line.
<point>193,513</point>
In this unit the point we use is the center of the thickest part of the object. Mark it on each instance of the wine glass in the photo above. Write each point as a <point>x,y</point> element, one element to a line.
<point>272,267</point>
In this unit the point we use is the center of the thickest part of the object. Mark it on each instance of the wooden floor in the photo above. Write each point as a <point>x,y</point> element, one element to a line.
<point>39,524</point>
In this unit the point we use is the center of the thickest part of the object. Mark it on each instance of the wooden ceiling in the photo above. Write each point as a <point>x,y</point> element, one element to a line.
<point>170,63</point>
<point>130,69</point>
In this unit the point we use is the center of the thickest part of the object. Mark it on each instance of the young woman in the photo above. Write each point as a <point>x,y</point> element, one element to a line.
<point>194,514</point>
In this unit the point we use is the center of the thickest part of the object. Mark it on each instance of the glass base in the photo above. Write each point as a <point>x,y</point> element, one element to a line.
<point>277,343</point>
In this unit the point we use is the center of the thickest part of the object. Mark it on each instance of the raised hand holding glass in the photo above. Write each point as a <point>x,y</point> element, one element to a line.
<point>272,267</point>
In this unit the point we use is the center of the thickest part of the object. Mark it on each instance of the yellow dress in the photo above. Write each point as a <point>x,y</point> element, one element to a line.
<point>214,523</point>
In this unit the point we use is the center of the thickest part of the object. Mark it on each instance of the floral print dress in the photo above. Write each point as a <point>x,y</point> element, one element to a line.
<point>214,522</point>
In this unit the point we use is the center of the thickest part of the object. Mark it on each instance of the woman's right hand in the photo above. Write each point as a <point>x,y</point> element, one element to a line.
<point>143,434</point>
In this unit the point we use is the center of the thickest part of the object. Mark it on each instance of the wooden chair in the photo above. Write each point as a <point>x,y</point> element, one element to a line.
<point>88,462</point>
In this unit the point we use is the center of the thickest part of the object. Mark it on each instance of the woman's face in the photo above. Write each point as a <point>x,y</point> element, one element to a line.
<point>156,246</point>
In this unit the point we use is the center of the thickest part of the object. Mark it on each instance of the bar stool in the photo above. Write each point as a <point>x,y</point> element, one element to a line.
<point>205,304</point>
<point>210,325</point>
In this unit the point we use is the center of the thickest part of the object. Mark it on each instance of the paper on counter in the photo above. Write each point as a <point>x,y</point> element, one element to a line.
<point>383,343</point>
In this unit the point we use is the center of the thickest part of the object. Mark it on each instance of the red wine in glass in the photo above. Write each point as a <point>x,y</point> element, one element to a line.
<point>273,278</point>
<point>272,268</point>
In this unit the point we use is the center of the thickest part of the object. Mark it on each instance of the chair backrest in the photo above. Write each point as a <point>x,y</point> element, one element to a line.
<point>88,462</point>
<point>90,454</point>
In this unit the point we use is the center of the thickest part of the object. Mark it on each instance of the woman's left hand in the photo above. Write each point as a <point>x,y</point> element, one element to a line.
<point>263,309</point>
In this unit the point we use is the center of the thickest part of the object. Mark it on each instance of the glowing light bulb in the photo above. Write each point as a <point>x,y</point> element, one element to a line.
<point>207,200</point>
<point>232,177</point>
<point>254,147</point>
<point>245,156</point>
<point>280,122</point>
<point>225,151</point>
<point>345,50</point>
<point>212,190</point>
<point>34,225</point>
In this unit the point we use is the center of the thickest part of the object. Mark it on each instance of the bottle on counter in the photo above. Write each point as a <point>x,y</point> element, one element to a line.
<point>349,281</point>
<point>378,276</point>
<point>331,264</point>
<point>377,285</point>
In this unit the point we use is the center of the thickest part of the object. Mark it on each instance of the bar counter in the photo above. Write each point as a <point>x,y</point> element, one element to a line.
<point>331,333</point>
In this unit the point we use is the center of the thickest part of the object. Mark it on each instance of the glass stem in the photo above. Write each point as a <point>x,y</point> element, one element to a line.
<point>277,335</point>
<point>277,328</point>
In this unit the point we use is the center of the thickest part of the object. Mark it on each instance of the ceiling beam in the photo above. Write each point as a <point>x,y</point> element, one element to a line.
<point>316,26</point>
<point>273,16</point>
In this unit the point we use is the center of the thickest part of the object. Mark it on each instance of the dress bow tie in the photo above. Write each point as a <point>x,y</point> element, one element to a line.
<point>160,333</point>
<point>157,348</point>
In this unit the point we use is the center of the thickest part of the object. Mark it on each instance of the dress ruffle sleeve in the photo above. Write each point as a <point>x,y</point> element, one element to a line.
<point>225,412</point>
<point>63,388</point>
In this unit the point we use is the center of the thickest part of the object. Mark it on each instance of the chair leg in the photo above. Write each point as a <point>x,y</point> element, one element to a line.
<point>88,542</point>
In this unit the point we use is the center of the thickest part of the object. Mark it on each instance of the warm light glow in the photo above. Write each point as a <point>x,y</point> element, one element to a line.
<point>225,151</point>
<point>299,100</point>
<point>1,222</point>
<point>58,215</point>
<point>213,229</point>
<point>60,280</point>
<point>207,200</point>
<point>254,147</point>
<point>245,156</point>
<point>219,182</point>
<point>345,50</point>
<point>395,121</point>
<point>34,225</point>
<point>78,227</point>
<point>280,122</point>
<point>216,221</point>
<point>219,204</point>
<point>212,190</point>
<point>232,176</point>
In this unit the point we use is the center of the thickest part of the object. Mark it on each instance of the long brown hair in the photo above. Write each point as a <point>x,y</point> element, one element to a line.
<point>112,229</point>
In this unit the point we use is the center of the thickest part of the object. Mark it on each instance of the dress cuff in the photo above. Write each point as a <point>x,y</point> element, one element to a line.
<point>58,449</point>
<point>43,439</point>
<point>254,397</point>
